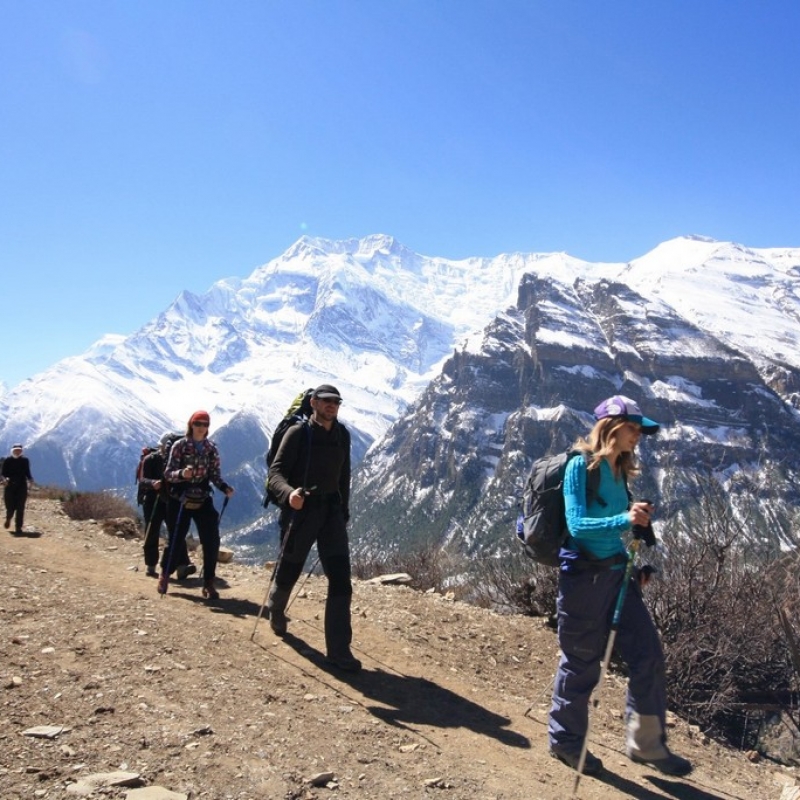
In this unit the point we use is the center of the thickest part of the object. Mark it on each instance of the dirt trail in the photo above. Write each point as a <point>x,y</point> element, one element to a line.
<point>451,702</point>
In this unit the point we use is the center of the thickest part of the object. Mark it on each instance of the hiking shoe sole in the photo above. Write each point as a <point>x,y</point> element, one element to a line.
<point>592,764</point>
<point>185,571</point>
<point>278,623</point>
<point>673,765</point>
<point>210,592</point>
<point>346,663</point>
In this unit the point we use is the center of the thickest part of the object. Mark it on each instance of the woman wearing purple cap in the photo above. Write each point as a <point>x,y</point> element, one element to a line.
<point>592,569</point>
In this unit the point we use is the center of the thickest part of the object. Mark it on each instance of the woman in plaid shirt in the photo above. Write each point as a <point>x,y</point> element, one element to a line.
<point>192,468</point>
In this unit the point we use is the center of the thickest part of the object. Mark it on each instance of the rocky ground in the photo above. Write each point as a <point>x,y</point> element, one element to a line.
<point>186,698</point>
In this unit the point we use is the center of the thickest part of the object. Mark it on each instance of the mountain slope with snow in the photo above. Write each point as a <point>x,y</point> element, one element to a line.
<point>381,322</point>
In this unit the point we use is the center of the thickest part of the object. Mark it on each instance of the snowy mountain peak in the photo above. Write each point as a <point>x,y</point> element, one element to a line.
<point>376,319</point>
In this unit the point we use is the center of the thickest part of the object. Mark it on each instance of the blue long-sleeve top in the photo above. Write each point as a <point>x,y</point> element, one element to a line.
<point>596,528</point>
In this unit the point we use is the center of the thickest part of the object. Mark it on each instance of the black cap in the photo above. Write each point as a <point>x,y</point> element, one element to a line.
<point>327,392</point>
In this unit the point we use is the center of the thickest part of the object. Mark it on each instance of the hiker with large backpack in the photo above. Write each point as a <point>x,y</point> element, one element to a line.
<point>299,411</point>
<point>310,479</point>
<point>154,491</point>
<point>193,466</point>
<point>600,596</point>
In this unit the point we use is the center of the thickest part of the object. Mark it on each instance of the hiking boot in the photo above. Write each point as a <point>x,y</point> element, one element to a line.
<point>592,765</point>
<point>184,571</point>
<point>151,572</point>
<point>278,600</point>
<point>163,583</point>
<point>210,591</point>
<point>671,764</point>
<point>278,621</point>
<point>346,661</point>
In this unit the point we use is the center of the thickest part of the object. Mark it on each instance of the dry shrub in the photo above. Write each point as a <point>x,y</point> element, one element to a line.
<point>96,505</point>
<point>49,492</point>
<point>727,657</point>
<point>514,583</point>
<point>428,567</point>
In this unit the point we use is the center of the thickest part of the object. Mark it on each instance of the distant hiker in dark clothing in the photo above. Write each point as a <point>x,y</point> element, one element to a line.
<point>193,465</point>
<point>154,491</point>
<point>592,569</point>
<point>16,477</point>
<point>140,488</point>
<point>310,476</point>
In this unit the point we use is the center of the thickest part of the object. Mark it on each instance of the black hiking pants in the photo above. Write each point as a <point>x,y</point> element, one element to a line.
<point>206,518</point>
<point>321,520</point>
<point>15,496</point>
<point>155,513</point>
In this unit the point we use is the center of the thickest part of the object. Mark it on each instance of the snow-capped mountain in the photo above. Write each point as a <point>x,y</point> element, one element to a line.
<point>368,315</point>
<point>702,333</point>
<point>384,323</point>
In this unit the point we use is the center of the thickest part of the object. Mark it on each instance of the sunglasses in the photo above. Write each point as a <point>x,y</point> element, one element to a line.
<point>330,401</point>
<point>199,424</point>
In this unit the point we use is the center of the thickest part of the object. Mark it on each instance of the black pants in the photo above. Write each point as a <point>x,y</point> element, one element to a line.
<point>179,518</point>
<point>324,524</point>
<point>155,513</point>
<point>15,496</point>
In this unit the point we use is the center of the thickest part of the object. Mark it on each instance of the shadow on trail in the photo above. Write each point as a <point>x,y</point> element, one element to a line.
<point>683,791</point>
<point>407,700</point>
<point>667,788</point>
<point>191,589</point>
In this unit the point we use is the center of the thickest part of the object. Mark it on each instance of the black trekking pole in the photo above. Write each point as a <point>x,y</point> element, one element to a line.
<point>149,524</point>
<point>284,540</point>
<point>163,581</point>
<point>272,576</point>
<point>632,550</point>
<point>288,530</point>
<point>222,510</point>
<point>300,587</point>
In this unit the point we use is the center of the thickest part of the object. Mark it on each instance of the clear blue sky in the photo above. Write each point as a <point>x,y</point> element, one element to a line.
<point>150,146</point>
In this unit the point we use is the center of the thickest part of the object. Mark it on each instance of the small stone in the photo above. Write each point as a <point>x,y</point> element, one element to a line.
<point>45,731</point>
<point>320,779</point>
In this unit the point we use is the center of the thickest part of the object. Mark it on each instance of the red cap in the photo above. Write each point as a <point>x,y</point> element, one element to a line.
<point>199,416</point>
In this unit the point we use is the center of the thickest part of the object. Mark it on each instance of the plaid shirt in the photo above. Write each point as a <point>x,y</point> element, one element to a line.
<point>203,457</point>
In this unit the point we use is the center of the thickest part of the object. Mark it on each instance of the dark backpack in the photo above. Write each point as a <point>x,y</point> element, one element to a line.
<point>299,411</point>
<point>542,524</point>
<point>139,488</point>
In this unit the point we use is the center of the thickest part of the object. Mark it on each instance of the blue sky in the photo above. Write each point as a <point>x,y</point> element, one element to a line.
<point>151,146</point>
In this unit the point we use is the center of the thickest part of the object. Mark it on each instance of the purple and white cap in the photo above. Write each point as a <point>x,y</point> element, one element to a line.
<point>619,406</point>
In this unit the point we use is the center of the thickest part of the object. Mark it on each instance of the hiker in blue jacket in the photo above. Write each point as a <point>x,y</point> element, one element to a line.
<point>590,578</point>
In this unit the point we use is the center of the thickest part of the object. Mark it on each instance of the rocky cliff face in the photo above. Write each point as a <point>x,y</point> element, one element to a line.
<point>451,470</point>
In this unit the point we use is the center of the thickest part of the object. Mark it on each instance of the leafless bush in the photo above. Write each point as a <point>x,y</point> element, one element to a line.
<point>430,567</point>
<point>96,505</point>
<point>714,606</point>
<point>49,492</point>
<point>514,583</point>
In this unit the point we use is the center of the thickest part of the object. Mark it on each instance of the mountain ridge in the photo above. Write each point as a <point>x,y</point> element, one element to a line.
<point>382,323</point>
